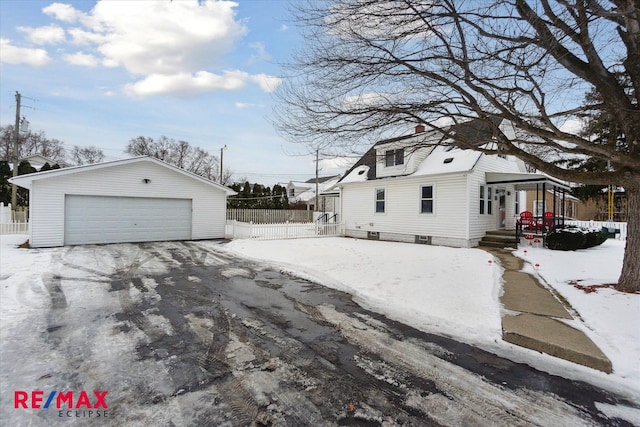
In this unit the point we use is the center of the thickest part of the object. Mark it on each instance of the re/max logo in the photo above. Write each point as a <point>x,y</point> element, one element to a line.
<point>60,400</point>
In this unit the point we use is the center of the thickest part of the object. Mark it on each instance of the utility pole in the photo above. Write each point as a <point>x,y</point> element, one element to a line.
<point>317,154</point>
<point>16,131</point>
<point>222,154</point>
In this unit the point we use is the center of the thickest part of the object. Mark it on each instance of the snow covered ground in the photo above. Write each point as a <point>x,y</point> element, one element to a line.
<point>456,292</point>
<point>446,291</point>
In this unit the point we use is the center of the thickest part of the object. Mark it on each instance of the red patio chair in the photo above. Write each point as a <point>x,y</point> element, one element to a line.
<point>549,221</point>
<point>527,221</point>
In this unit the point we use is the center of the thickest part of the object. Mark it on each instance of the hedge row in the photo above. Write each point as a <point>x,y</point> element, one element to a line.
<point>571,238</point>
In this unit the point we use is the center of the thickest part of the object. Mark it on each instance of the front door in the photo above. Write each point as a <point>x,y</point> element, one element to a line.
<point>502,209</point>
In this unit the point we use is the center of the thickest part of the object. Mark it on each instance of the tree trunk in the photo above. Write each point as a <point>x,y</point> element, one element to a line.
<point>630,277</point>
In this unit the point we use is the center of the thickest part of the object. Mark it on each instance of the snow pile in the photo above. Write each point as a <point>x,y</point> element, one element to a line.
<point>455,292</point>
<point>452,291</point>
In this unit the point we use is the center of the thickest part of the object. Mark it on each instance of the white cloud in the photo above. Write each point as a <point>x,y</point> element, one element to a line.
<point>49,34</point>
<point>83,59</point>
<point>63,12</point>
<point>367,99</point>
<point>243,105</point>
<point>80,36</point>
<point>173,47</point>
<point>261,53</point>
<point>267,83</point>
<point>283,27</point>
<point>182,84</point>
<point>165,37</point>
<point>22,55</point>
<point>573,126</point>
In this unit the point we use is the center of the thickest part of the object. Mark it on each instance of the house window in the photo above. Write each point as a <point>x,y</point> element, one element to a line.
<point>379,200</point>
<point>486,204</point>
<point>426,199</point>
<point>538,207</point>
<point>394,157</point>
<point>292,192</point>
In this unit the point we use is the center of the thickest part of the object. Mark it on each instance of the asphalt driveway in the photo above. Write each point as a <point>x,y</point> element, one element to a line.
<point>183,334</point>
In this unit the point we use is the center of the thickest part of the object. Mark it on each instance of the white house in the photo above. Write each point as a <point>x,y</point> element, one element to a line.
<point>37,161</point>
<point>413,189</point>
<point>305,193</point>
<point>132,200</point>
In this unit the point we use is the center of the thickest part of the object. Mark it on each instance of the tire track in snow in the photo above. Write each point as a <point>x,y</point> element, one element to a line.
<point>471,400</point>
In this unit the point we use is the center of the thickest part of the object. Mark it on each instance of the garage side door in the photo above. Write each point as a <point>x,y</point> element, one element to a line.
<point>100,219</point>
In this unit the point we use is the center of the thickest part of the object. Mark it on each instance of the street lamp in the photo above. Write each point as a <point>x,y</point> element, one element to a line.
<point>221,156</point>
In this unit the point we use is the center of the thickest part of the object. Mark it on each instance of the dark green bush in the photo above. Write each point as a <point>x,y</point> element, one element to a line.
<point>595,238</point>
<point>566,239</point>
<point>572,238</point>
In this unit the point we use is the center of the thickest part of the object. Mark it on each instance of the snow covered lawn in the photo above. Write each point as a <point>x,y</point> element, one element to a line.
<point>456,292</point>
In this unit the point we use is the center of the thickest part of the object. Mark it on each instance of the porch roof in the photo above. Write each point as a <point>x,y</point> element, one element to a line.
<point>524,181</point>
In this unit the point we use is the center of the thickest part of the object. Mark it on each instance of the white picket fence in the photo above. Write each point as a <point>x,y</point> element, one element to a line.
<point>248,230</point>
<point>14,228</point>
<point>622,226</point>
<point>270,216</point>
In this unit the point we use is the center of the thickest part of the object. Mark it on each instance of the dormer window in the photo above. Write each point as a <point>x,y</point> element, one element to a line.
<point>394,157</point>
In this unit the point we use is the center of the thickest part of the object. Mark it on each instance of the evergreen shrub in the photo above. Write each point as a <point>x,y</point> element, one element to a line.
<point>572,238</point>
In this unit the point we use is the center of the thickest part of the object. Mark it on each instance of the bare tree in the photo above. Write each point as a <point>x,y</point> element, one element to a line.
<point>86,155</point>
<point>29,144</point>
<point>180,154</point>
<point>369,66</point>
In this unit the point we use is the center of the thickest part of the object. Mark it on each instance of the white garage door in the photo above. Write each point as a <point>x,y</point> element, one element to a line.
<point>100,219</point>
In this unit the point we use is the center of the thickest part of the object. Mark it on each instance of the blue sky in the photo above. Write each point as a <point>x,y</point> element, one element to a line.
<point>101,73</point>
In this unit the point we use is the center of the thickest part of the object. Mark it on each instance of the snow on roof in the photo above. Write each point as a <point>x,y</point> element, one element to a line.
<point>358,174</point>
<point>310,193</point>
<point>447,160</point>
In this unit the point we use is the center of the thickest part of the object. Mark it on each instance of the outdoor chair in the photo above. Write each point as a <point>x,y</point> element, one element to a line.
<point>527,221</point>
<point>548,221</point>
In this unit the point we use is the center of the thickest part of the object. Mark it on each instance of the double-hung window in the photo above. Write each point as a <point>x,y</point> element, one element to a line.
<point>426,199</point>
<point>380,200</point>
<point>394,157</point>
<point>486,194</point>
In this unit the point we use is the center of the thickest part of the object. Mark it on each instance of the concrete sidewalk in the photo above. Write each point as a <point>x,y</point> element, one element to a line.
<point>532,318</point>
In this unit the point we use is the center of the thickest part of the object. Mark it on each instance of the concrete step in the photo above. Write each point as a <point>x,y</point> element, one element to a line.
<point>511,233</point>
<point>548,335</point>
<point>499,238</point>
<point>532,318</point>
<point>499,244</point>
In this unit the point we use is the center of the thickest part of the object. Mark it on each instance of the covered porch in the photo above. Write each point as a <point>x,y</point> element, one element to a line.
<point>545,218</point>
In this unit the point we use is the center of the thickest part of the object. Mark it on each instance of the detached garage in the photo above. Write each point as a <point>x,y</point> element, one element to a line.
<point>133,200</point>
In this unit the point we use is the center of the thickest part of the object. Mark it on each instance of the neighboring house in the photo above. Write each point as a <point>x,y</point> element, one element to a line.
<point>414,189</point>
<point>132,200</point>
<point>571,207</point>
<point>303,194</point>
<point>37,161</point>
<point>596,208</point>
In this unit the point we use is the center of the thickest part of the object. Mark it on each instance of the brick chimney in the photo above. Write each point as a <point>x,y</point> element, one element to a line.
<point>420,128</point>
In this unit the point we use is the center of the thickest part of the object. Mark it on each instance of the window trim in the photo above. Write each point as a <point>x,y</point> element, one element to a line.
<point>485,197</point>
<point>395,156</point>
<point>383,200</point>
<point>432,198</point>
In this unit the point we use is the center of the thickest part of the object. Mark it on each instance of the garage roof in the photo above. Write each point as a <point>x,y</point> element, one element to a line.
<point>26,180</point>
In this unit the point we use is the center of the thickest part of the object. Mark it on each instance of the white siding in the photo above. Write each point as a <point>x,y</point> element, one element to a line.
<point>480,224</point>
<point>447,225</point>
<point>48,195</point>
